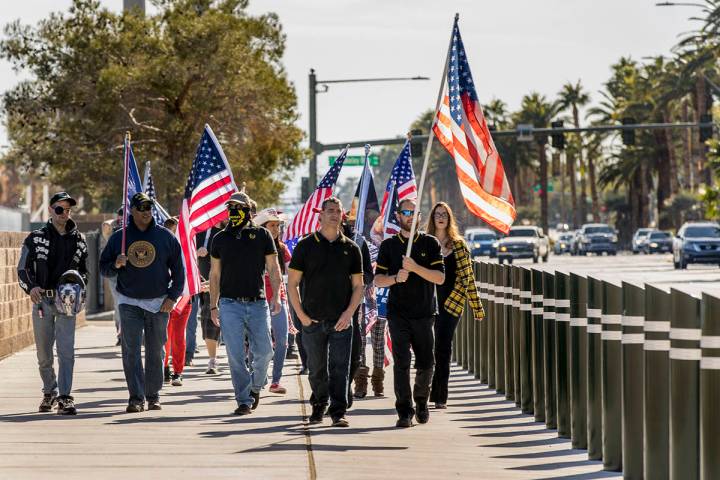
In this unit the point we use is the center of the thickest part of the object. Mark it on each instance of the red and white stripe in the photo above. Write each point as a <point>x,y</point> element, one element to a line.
<point>483,183</point>
<point>307,220</point>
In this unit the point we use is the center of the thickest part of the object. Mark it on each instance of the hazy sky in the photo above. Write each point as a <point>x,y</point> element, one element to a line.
<point>514,47</point>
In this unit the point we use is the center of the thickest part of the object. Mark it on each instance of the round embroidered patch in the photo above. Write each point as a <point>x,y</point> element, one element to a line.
<point>141,254</point>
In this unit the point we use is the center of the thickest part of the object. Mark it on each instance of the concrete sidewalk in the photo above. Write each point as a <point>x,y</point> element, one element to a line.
<point>480,435</point>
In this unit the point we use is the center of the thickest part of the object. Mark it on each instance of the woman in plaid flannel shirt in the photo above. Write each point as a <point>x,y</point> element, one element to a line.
<point>459,287</point>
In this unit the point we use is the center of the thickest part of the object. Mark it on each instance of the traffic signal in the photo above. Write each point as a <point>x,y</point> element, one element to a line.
<point>706,131</point>
<point>628,136</point>
<point>416,146</point>
<point>557,140</point>
<point>304,188</point>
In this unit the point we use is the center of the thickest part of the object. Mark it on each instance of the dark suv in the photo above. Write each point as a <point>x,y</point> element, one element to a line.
<point>596,238</point>
<point>697,243</point>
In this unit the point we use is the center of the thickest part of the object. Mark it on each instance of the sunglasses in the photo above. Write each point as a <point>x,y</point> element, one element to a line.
<point>144,207</point>
<point>59,210</point>
<point>407,213</point>
<point>440,215</point>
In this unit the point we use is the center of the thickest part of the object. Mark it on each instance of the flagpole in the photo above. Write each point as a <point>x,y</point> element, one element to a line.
<point>428,147</point>
<point>125,192</point>
<point>362,201</point>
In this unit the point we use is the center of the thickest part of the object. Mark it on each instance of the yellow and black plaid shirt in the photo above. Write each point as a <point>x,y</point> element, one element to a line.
<point>465,288</point>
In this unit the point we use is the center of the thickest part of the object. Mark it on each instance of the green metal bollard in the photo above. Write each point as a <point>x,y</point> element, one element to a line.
<point>656,384</point>
<point>710,389</point>
<point>685,357</point>
<point>515,271</point>
<point>483,292</point>
<point>549,349</point>
<point>508,344</point>
<point>490,345</point>
<point>578,361</point>
<point>562,349</point>
<point>538,354</point>
<point>500,329</point>
<point>612,377</point>
<point>594,368</point>
<point>632,342</point>
<point>526,341</point>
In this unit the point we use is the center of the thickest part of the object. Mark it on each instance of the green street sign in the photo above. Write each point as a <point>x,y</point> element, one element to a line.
<point>356,160</point>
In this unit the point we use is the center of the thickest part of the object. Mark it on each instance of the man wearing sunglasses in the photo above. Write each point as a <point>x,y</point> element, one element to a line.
<point>150,278</point>
<point>46,254</point>
<point>411,308</point>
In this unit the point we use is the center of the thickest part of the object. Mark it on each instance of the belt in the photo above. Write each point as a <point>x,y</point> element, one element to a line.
<point>246,299</point>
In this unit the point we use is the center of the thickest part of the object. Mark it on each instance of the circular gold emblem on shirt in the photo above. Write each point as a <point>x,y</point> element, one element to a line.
<point>252,236</point>
<point>141,254</point>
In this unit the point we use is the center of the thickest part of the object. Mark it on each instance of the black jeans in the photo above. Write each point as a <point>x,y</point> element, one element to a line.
<point>328,357</point>
<point>298,337</point>
<point>444,327</point>
<point>418,334</point>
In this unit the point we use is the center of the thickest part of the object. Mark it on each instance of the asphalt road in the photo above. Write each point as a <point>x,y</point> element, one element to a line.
<point>656,270</point>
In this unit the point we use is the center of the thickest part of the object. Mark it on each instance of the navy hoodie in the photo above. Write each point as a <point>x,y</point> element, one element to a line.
<point>154,268</point>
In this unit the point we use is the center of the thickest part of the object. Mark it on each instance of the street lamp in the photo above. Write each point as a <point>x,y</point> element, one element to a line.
<point>314,83</point>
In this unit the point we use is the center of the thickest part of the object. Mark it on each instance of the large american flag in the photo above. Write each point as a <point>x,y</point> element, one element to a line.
<point>401,184</point>
<point>461,127</point>
<point>307,219</point>
<point>209,185</point>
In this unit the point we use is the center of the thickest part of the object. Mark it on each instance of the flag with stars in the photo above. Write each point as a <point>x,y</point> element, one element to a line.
<point>159,213</point>
<point>209,184</point>
<point>461,128</point>
<point>307,219</point>
<point>402,181</point>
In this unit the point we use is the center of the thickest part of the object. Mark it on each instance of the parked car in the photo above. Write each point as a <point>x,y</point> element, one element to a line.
<point>596,238</point>
<point>639,239</point>
<point>481,242</point>
<point>563,244</point>
<point>696,242</point>
<point>524,242</point>
<point>658,242</point>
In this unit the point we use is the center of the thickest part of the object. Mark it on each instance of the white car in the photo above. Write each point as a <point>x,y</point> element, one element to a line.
<point>524,242</point>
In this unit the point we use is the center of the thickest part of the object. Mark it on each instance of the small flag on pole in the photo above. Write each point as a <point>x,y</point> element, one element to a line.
<point>159,213</point>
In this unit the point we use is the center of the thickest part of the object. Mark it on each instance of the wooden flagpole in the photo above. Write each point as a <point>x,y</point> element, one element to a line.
<point>125,192</point>
<point>428,147</point>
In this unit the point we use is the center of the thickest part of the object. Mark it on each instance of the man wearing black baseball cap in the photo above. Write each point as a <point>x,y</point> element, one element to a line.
<point>46,254</point>
<point>150,278</point>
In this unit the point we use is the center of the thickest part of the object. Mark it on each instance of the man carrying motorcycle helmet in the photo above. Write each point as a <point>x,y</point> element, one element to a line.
<point>46,255</point>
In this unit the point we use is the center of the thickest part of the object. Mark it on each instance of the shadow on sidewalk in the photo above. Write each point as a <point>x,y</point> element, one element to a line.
<point>320,448</point>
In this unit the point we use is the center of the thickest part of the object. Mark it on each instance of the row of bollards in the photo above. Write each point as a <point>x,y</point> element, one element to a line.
<point>629,373</point>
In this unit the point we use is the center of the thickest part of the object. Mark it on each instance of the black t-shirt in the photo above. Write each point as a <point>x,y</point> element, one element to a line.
<point>327,268</point>
<point>242,256</point>
<point>414,298</point>
<point>443,291</point>
<point>204,262</point>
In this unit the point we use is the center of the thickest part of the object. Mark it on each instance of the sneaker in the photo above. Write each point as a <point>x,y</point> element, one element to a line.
<point>197,350</point>
<point>422,414</point>
<point>243,410</point>
<point>66,406</point>
<point>440,406</point>
<point>318,412</point>
<point>176,380</point>
<point>166,375</point>
<point>154,405</point>
<point>212,367</point>
<point>135,408</point>
<point>340,422</point>
<point>48,402</point>
<point>277,388</point>
<point>404,422</point>
<point>256,399</point>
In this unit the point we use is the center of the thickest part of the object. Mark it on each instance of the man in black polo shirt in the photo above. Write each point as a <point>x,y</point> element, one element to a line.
<point>330,267</point>
<point>410,309</point>
<point>240,254</point>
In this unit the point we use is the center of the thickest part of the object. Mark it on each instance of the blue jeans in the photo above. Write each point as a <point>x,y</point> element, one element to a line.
<point>280,334</point>
<point>328,357</point>
<point>252,320</point>
<point>191,330</point>
<point>54,328</point>
<point>143,384</point>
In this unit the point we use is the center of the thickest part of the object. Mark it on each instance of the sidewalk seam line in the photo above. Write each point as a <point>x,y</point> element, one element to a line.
<point>312,470</point>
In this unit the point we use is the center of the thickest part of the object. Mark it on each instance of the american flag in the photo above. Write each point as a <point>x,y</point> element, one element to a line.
<point>159,213</point>
<point>209,185</point>
<point>307,219</point>
<point>461,127</point>
<point>401,183</point>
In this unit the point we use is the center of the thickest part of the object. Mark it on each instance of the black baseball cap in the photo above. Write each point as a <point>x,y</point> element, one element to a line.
<point>140,198</point>
<point>60,196</point>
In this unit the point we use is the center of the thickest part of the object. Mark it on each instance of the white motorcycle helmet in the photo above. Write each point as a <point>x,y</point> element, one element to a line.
<point>70,294</point>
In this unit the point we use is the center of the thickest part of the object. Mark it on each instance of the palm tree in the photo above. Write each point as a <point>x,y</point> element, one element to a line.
<point>572,97</point>
<point>537,110</point>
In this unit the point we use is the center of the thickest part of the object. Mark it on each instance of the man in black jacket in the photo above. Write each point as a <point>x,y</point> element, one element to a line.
<point>46,254</point>
<point>150,278</point>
